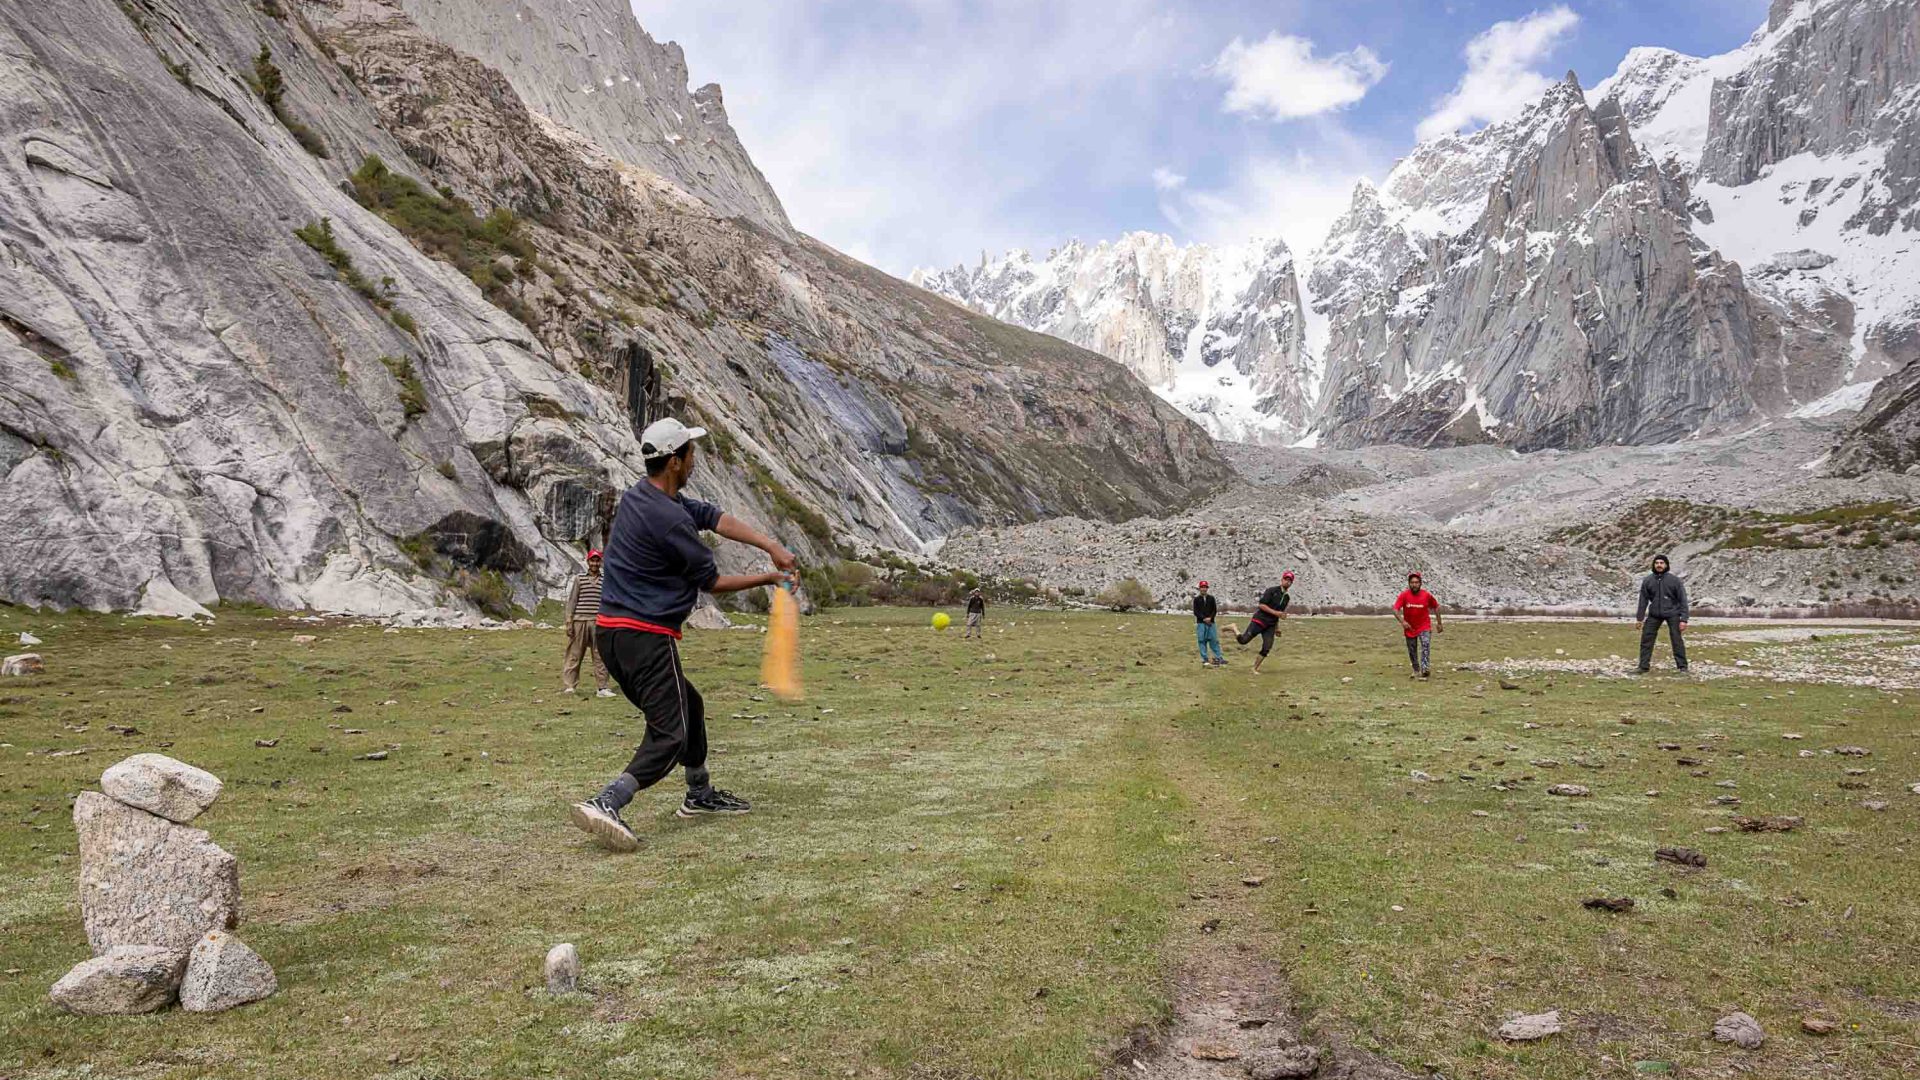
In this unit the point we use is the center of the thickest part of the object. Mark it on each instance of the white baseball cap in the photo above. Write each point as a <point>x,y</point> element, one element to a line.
<point>666,436</point>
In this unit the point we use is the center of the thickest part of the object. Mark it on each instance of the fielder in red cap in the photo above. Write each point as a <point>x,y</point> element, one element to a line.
<point>1205,607</point>
<point>583,607</point>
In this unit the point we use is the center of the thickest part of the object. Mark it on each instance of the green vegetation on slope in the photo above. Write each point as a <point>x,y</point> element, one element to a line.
<point>492,251</point>
<point>272,88</point>
<point>984,860</point>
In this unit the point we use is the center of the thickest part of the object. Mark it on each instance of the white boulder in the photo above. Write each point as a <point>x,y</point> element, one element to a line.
<point>223,973</point>
<point>160,785</point>
<point>147,881</point>
<point>127,980</point>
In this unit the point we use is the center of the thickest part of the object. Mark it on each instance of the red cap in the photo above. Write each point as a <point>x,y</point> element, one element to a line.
<point>594,554</point>
<point>1203,584</point>
<point>1288,576</point>
<point>1411,574</point>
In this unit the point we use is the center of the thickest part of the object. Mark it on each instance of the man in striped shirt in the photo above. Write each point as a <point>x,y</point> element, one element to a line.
<point>583,607</point>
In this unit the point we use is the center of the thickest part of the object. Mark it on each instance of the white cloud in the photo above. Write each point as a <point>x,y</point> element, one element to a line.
<point>1295,197</point>
<point>1279,78</point>
<point>1500,79</point>
<point>1166,179</point>
<point>943,127</point>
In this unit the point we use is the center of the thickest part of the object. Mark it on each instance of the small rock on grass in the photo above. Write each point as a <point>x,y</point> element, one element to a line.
<point>1287,1064</point>
<point>1253,882</point>
<point>223,973</point>
<point>1874,804</point>
<point>1571,791</point>
<point>1531,1028</point>
<point>563,968</point>
<point>127,980</point>
<point>1680,856</point>
<point>1818,1025</point>
<point>1739,1029</point>
<point>1609,903</point>
<point>377,755</point>
<point>23,664</point>
<point>1775,823</point>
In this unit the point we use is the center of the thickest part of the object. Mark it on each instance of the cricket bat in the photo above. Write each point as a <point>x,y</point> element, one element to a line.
<point>780,665</point>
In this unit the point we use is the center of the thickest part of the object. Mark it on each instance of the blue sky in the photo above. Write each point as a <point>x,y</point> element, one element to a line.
<point>922,132</point>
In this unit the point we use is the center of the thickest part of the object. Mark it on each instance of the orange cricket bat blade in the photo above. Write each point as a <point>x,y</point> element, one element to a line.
<point>780,665</point>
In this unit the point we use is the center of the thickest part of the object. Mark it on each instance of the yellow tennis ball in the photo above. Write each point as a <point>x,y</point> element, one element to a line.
<point>941,620</point>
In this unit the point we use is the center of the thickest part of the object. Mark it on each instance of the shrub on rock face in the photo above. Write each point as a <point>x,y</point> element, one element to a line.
<point>1125,595</point>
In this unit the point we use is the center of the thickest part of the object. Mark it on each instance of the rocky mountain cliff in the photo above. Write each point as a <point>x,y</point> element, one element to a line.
<point>1694,245</point>
<point>1730,239</point>
<point>1218,332</point>
<point>380,338</point>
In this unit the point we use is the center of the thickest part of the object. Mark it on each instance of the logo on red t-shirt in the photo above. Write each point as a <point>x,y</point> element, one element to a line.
<point>1418,611</point>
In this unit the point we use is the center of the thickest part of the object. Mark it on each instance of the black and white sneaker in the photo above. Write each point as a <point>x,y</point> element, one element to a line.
<point>712,801</point>
<point>602,822</point>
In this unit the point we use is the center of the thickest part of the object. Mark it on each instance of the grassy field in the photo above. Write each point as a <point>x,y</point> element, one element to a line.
<point>978,859</point>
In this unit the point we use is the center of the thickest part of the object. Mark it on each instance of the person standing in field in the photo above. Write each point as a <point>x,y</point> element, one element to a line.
<point>1419,616</point>
<point>583,607</point>
<point>1205,608</point>
<point>976,614</point>
<point>1264,623</point>
<point>1663,599</point>
<point>656,568</point>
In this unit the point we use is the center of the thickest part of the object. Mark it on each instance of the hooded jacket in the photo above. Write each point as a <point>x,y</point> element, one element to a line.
<point>1662,596</point>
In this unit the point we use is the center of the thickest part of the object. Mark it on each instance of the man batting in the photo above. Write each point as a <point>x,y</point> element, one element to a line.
<point>655,569</point>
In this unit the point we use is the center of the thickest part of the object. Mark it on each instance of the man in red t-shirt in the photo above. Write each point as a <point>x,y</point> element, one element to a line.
<point>1419,615</point>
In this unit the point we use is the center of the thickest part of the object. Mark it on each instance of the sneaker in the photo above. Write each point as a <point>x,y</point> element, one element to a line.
<point>603,692</point>
<point>602,822</point>
<point>1425,675</point>
<point>566,689</point>
<point>712,801</point>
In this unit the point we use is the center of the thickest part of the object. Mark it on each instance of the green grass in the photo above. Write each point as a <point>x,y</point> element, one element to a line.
<point>1088,790</point>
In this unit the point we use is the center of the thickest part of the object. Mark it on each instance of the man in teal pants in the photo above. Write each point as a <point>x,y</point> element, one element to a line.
<point>1205,607</point>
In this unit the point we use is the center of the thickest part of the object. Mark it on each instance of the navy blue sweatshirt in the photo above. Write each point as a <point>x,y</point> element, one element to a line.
<point>655,564</point>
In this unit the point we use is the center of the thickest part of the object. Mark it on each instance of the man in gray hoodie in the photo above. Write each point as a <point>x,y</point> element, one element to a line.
<point>1663,599</point>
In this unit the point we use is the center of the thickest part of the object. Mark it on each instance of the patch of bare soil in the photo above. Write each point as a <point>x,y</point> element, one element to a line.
<point>1233,1017</point>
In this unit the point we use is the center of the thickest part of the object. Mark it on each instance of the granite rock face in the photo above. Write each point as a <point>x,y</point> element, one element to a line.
<point>349,423</point>
<point>147,881</point>
<point>125,981</point>
<point>160,785</point>
<point>591,67</point>
<point>1887,435</point>
<point>1577,310</point>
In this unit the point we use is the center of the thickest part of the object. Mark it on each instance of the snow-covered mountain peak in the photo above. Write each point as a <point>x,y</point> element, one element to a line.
<point>1216,330</point>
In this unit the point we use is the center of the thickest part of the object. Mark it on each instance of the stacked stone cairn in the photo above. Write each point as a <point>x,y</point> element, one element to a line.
<point>160,900</point>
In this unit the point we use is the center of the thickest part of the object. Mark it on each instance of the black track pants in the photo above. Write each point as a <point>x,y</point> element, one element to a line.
<point>647,668</point>
<point>1263,630</point>
<point>1650,630</point>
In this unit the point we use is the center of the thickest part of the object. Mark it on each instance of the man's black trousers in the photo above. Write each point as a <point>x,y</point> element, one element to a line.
<point>1650,630</point>
<point>647,668</point>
